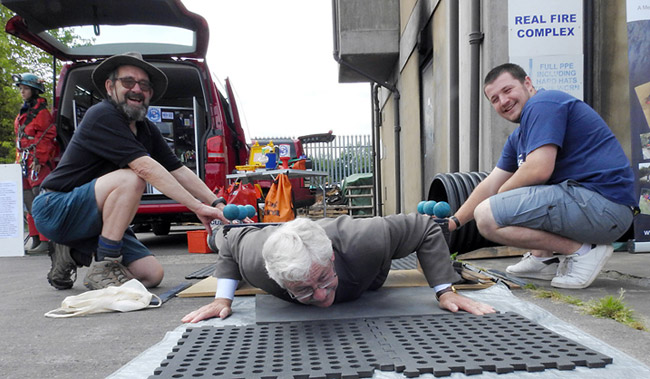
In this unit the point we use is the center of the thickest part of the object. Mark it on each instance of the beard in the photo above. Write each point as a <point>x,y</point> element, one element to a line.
<point>132,112</point>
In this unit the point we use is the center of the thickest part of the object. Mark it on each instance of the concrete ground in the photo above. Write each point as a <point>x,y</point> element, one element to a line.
<point>34,346</point>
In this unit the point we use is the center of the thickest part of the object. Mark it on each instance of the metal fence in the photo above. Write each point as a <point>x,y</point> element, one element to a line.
<point>344,156</point>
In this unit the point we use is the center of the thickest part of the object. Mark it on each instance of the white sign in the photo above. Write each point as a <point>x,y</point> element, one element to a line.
<point>546,39</point>
<point>11,211</point>
<point>285,150</point>
<point>550,27</point>
<point>638,10</point>
<point>558,72</point>
<point>153,114</point>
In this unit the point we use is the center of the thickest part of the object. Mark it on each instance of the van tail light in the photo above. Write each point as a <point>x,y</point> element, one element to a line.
<point>216,153</point>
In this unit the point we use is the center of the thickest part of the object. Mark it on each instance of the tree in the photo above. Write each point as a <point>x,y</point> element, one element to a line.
<point>17,57</point>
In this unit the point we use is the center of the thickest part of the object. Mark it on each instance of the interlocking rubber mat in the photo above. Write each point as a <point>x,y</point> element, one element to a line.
<point>202,273</point>
<point>411,345</point>
<point>409,262</point>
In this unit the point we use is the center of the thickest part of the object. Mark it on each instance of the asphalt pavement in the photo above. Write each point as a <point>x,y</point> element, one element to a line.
<point>95,346</point>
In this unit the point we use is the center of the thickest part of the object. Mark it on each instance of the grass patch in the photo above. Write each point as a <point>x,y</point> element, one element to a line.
<point>558,297</point>
<point>607,307</point>
<point>614,308</point>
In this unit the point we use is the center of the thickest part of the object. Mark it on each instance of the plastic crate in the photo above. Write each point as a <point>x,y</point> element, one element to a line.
<point>197,242</point>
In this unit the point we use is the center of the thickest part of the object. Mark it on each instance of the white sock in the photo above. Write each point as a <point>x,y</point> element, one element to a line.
<point>585,248</point>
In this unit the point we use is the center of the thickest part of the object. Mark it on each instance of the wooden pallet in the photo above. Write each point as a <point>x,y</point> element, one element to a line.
<point>316,212</point>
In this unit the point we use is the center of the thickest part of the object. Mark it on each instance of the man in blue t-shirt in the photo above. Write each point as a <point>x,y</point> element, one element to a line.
<point>87,203</point>
<point>562,185</point>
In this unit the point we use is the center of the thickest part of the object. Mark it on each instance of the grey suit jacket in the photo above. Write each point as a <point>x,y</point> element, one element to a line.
<point>363,251</point>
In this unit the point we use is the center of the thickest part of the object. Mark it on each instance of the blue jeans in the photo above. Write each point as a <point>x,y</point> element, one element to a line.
<point>566,209</point>
<point>72,219</point>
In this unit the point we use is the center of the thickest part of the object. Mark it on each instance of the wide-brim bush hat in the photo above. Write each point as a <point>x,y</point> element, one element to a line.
<point>157,78</point>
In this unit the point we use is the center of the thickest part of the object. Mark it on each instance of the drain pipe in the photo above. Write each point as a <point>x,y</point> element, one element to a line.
<point>396,98</point>
<point>475,40</point>
<point>588,48</point>
<point>376,123</point>
<point>454,123</point>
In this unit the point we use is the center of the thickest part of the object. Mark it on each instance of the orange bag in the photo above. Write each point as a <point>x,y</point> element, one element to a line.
<point>299,165</point>
<point>242,194</point>
<point>278,206</point>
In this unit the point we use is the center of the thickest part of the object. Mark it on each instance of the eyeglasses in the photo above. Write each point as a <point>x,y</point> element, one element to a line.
<point>309,292</point>
<point>128,83</point>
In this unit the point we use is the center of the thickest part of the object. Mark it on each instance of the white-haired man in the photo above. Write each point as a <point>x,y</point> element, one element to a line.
<point>331,261</point>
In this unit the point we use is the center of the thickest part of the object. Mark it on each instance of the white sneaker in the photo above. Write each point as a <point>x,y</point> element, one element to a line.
<point>530,267</point>
<point>579,271</point>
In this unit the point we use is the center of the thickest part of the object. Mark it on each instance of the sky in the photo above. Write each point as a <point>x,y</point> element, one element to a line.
<point>279,58</point>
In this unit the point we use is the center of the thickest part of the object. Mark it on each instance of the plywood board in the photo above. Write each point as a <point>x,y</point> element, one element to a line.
<point>208,287</point>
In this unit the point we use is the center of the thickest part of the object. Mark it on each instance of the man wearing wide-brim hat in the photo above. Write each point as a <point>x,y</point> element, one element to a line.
<point>87,203</point>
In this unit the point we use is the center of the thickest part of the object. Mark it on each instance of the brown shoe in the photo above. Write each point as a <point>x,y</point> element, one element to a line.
<point>105,274</point>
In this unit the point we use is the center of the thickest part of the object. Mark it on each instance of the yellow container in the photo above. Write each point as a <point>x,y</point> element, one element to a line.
<point>246,168</point>
<point>255,158</point>
<point>258,153</point>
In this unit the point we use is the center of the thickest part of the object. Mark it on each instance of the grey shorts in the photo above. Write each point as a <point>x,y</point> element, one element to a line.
<point>566,209</point>
<point>72,219</point>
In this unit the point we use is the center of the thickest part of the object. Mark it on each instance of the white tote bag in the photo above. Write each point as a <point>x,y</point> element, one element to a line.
<point>130,296</point>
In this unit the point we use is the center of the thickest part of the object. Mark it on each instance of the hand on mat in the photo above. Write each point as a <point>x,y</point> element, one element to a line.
<point>453,302</point>
<point>218,308</point>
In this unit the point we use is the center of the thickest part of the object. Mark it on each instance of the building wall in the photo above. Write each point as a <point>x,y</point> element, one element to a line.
<point>441,89</point>
<point>411,165</point>
<point>387,155</point>
<point>611,90</point>
<point>494,130</point>
<point>406,8</point>
<point>464,102</point>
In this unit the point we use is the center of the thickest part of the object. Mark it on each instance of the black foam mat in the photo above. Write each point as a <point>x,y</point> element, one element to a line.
<point>412,345</point>
<point>383,302</point>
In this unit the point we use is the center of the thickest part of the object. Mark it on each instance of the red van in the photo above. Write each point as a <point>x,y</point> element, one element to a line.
<point>199,121</point>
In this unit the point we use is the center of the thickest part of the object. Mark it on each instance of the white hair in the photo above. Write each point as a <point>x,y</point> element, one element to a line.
<point>293,248</point>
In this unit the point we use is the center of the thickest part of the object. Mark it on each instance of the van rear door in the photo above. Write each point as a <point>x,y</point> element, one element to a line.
<point>112,26</point>
<point>240,152</point>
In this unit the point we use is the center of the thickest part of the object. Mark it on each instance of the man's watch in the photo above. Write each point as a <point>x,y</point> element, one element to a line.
<point>220,200</point>
<point>444,291</point>
<point>456,221</point>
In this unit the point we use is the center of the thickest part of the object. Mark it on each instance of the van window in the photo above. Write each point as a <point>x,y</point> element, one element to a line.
<point>135,34</point>
<point>112,39</point>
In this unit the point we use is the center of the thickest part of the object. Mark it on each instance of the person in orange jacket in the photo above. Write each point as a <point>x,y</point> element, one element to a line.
<point>35,148</point>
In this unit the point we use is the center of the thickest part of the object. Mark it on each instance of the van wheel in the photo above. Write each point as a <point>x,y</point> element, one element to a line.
<point>141,228</point>
<point>160,228</point>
